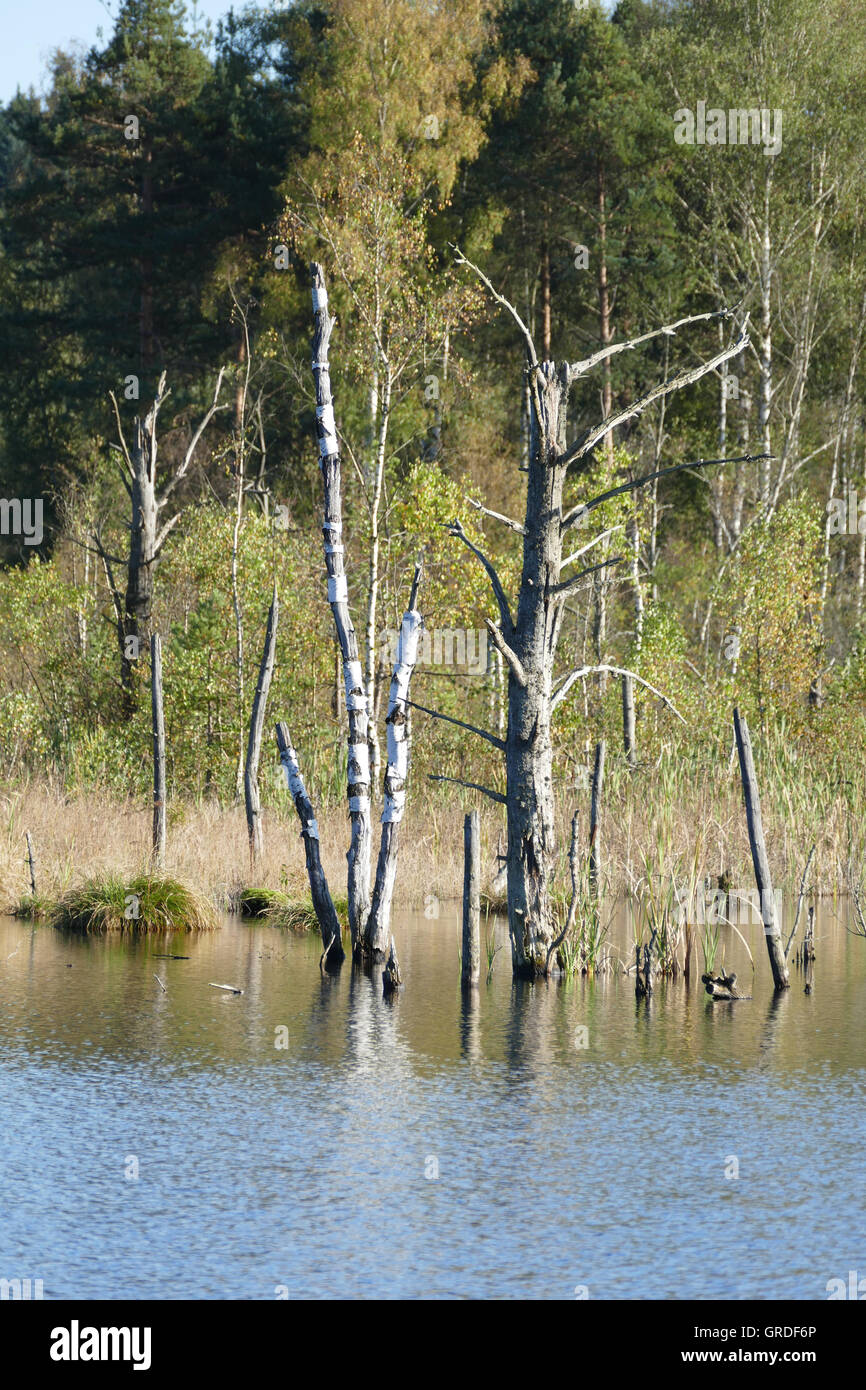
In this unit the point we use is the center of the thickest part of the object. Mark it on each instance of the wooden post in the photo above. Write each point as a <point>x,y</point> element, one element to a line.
<point>31,862</point>
<point>595,808</point>
<point>158,724</point>
<point>471,966</point>
<point>252,799</point>
<point>323,904</point>
<point>752,799</point>
<point>628,720</point>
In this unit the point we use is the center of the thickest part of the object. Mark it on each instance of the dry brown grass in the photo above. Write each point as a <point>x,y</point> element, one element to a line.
<point>85,835</point>
<point>650,831</point>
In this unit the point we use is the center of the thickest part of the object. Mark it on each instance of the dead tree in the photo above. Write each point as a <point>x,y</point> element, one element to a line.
<point>471,959</point>
<point>628,721</point>
<point>527,638</point>
<point>323,903</point>
<point>369,917</point>
<point>149,529</point>
<point>31,862</point>
<point>595,817</point>
<point>772,933</point>
<point>252,800</point>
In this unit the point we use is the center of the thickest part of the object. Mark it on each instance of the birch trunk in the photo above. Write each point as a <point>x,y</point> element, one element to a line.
<point>378,932</point>
<point>373,574</point>
<point>358,768</point>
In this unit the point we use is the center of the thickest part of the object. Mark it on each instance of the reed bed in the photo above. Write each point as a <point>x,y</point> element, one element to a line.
<point>679,821</point>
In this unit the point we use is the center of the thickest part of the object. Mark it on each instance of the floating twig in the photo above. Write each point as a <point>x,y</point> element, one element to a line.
<point>232,989</point>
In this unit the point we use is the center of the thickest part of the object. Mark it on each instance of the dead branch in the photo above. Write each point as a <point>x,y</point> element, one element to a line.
<point>504,650</point>
<point>577,514</point>
<point>578,369</point>
<point>592,436</point>
<point>454,528</point>
<point>584,671</point>
<point>482,733</point>
<point>473,786</point>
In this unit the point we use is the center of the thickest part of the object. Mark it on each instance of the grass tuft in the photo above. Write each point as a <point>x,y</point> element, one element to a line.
<point>299,915</point>
<point>33,907</point>
<point>144,903</point>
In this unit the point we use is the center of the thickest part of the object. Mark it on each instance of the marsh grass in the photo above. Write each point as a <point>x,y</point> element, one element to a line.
<point>687,813</point>
<point>299,915</point>
<point>33,908</point>
<point>257,902</point>
<point>142,904</point>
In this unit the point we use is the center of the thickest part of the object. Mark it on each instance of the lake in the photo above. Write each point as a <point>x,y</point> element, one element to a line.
<point>310,1139</point>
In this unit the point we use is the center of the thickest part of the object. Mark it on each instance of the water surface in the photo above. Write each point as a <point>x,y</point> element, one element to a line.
<point>162,1145</point>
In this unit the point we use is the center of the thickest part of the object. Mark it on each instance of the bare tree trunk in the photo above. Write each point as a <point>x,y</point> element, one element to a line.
<point>358,771</point>
<point>628,721</point>
<point>378,931</point>
<point>239,628</point>
<point>766,398</point>
<point>595,816</point>
<point>528,750</point>
<point>605,329</point>
<point>373,574</point>
<point>471,963</point>
<point>158,721</point>
<point>323,904</point>
<point>252,800</point>
<point>775,949</point>
<point>31,862</point>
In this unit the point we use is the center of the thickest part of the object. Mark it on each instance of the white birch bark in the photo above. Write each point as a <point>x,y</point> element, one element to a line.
<point>378,932</point>
<point>358,766</point>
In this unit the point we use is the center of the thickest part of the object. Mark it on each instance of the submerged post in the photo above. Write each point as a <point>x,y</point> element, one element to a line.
<point>595,808</point>
<point>158,723</point>
<point>775,950</point>
<point>628,720</point>
<point>471,966</point>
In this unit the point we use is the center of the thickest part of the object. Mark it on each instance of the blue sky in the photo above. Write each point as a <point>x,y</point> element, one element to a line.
<point>30,29</point>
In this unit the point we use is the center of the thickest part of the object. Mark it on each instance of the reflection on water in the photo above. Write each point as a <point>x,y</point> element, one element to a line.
<point>308,1135</point>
